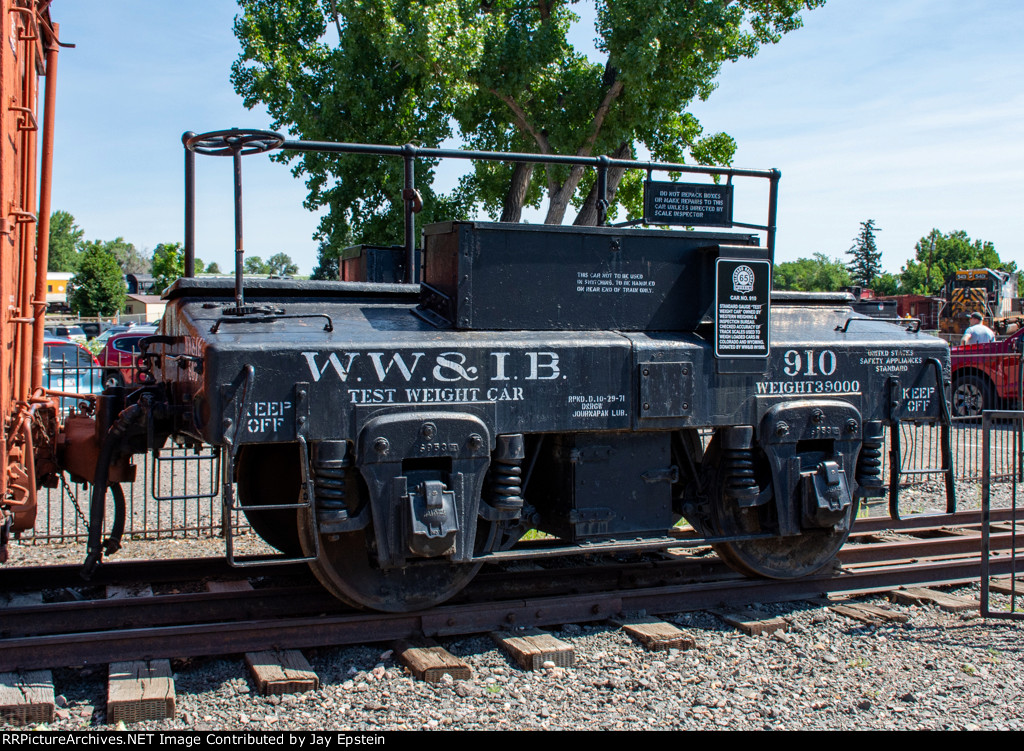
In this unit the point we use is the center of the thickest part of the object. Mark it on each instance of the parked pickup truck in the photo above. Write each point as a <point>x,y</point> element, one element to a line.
<point>987,376</point>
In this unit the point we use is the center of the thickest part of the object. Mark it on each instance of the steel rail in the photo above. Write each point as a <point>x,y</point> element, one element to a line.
<point>331,628</point>
<point>299,598</point>
<point>302,596</point>
<point>25,578</point>
<point>89,648</point>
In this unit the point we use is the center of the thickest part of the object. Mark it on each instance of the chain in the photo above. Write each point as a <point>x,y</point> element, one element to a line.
<point>74,501</point>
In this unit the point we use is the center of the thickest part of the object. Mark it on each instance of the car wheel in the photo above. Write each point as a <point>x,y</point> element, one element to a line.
<point>113,379</point>
<point>971,396</point>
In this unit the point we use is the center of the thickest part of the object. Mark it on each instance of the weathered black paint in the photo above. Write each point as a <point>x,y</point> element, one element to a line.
<point>507,277</point>
<point>381,355</point>
<point>543,376</point>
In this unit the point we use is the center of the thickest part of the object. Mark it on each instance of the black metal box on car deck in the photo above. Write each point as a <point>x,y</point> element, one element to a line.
<point>507,277</point>
<point>374,263</point>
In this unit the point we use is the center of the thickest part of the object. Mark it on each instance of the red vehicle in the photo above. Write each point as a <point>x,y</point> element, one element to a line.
<point>118,356</point>
<point>986,376</point>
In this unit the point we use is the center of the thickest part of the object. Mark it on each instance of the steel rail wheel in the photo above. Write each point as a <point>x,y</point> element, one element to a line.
<point>771,557</point>
<point>348,569</point>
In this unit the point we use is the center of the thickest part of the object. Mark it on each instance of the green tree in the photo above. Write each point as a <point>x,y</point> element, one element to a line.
<point>65,238</point>
<point>168,265</point>
<point>887,284</point>
<point>505,75</point>
<point>328,266</point>
<point>867,258</point>
<point>200,266</point>
<point>281,264</point>
<point>255,265</point>
<point>97,288</point>
<point>213,268</point>
<point>938,255</point>
<point>817,274</point>
<point>127,256</point>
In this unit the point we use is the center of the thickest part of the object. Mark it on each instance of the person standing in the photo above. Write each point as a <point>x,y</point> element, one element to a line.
<point>978,332</point>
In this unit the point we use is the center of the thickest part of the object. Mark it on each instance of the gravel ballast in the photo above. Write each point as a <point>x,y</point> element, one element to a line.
<point>939,670</point>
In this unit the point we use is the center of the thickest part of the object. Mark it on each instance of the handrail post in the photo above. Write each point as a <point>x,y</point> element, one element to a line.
<point>602,189</point>
<point>190,206</point>
<point>408,196</point>
<point>773,204</point>
<point>236,160</point>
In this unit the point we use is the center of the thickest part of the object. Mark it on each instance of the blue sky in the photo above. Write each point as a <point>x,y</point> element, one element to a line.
<point>908,112</point>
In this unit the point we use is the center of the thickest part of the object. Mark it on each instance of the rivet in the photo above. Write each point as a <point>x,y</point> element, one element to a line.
<point>381,445</point>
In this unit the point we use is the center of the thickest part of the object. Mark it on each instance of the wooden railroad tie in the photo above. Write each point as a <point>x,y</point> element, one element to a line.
<point>871,614</point>
<point>925,596</point>
<point>1004,585</point>
<point>655,633</point>
<point>1007,526</point>
<point>431,662</point>
<point>752,622</point>
<point>120,592</point>
<point>281,671</point>
<point>239,585</point>
<point>27,697</point>
<point>20,600</point>
<point>945,532</point>
<point>531,648</point>
<point>274,671</point>
<point>138,690</point>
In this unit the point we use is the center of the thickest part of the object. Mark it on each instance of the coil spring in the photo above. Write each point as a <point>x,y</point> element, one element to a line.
<point>330,487</point>
<point>740,479</point>
<point>869,463</point>
<point>506,485</point>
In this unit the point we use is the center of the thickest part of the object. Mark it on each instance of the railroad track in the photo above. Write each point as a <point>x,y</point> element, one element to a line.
<point>289,610</point>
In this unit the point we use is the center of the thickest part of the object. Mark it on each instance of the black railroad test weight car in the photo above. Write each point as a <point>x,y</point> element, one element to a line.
<point>399,433</point>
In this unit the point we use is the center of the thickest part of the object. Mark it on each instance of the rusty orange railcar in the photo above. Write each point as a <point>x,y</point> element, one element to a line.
<point>28,63</point>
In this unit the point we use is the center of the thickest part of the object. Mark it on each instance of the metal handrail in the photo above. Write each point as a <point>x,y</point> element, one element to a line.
<point>238,142</point>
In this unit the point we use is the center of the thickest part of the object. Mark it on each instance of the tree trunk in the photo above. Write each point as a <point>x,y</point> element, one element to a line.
<point>587,217</point>
<point>512,209</point>
<point>559,197</point>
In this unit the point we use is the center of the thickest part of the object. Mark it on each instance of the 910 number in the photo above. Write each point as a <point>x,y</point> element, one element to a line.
<point>803,362</point>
